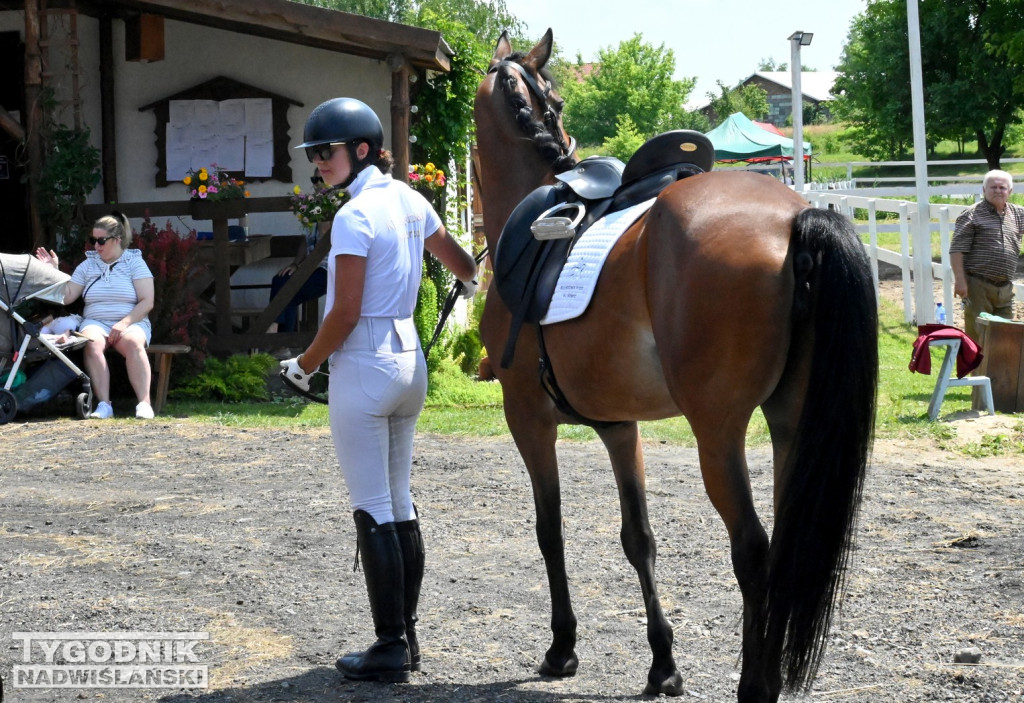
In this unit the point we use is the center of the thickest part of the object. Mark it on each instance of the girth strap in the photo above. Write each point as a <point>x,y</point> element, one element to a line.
<point>550,385</point>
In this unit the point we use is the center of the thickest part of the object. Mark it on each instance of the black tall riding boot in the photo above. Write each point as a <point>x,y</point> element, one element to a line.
<point>387,659</point>
<point>413,556</point>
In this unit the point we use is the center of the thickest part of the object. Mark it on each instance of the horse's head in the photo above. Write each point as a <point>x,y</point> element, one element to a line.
<point>520,136</point>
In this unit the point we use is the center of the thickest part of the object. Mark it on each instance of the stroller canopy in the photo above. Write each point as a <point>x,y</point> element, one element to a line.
<point>24,277</point>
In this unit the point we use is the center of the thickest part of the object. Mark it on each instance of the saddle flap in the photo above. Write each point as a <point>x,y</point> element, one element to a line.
<point>524,268</point>
<point>595,177</point>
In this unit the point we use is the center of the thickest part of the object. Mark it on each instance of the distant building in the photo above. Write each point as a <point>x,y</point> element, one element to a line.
<point>816,87</point>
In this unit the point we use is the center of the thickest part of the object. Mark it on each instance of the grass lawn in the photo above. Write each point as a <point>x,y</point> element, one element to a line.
<point>471,408</point>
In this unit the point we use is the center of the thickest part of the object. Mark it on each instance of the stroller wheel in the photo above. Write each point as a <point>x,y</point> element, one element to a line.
<point>84,405</point>
<point>8,406</point>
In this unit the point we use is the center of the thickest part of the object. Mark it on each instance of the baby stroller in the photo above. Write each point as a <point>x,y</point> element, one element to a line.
<point>35,366</point>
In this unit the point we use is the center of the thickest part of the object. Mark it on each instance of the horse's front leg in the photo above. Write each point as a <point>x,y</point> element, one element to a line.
<point>623,444</point>
<point>535,430</point>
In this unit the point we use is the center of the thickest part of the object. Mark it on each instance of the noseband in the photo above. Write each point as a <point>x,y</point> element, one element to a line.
<point>550,113</point>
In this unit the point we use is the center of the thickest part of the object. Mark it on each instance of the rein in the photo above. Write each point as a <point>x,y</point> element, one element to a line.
<point>550,112</point>
<point>449,305</point>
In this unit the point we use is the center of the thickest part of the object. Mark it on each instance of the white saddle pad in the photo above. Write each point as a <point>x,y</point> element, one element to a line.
<point>578,279</point>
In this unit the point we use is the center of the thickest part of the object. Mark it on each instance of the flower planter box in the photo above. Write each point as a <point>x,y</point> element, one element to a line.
<point>217,209</point>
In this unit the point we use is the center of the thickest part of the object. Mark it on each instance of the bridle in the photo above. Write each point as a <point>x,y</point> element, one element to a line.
<point>550,113</point>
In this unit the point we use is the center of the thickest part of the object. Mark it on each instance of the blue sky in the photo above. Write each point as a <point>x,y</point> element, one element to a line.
<point>712,39</point>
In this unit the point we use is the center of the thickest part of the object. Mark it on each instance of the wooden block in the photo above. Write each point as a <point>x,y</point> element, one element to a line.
<point>144,38</point>
<point>162,355</point>
<point>1002,345</point>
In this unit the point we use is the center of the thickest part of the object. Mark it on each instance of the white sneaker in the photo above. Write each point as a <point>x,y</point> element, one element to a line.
<point>144,411</point>
<point>103,411</point>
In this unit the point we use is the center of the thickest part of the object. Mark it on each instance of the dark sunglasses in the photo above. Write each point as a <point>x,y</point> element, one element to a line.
<point>100,240</point>
<point>324,152</point>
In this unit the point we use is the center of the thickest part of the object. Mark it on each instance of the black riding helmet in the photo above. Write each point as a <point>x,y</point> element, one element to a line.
<point>344,120</point>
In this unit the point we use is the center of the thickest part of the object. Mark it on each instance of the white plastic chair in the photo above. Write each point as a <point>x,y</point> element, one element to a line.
<point>946,378</point>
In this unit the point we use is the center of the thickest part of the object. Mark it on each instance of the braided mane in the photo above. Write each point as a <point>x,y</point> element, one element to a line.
<point>543,141</point>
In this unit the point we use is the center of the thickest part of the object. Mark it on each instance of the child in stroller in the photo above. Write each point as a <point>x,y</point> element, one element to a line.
<point>39,367</point>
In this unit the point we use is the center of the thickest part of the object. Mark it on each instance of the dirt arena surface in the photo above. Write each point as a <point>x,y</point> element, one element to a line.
<point>244,534</point>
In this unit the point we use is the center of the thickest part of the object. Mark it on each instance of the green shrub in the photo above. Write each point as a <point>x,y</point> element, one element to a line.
<point>467,349</point>
<point>425,316</point>
<point>237,379</point>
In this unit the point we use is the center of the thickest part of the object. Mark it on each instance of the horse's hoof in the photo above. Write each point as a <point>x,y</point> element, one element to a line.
<point>567,668</point>
<point>671,686</point>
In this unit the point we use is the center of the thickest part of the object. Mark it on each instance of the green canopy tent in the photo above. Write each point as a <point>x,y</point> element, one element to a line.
<point>739,139</point>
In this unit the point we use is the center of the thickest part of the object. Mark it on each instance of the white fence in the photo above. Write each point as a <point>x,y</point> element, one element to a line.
<point>942,219</point>
<point>904,186</point>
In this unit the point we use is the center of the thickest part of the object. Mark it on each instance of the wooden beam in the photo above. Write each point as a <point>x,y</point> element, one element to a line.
<point>34,122</point>
<point>11,125</point>
<point>297,23</point>
<point>400,115</point>
<point>108,111</point>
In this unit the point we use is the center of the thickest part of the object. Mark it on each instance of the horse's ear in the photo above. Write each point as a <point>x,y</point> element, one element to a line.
<point>501,50</point>
<point>539,55</point>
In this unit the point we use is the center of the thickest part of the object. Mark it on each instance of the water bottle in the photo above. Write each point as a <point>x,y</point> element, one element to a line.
<point>940,314</point>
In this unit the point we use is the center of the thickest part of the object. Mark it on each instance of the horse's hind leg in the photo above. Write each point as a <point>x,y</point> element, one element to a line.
<point>535,435</point>
<point>723,466</point>
<point>623,444</point>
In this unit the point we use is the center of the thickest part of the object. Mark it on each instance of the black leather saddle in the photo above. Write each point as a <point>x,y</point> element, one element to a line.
<point>526,268</point>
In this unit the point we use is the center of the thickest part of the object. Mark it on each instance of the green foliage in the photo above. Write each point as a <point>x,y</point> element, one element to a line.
<point>466,348</point>
<point>1006,31</point>
<point>627,139</point>
<point>426,314</point>
<point>449,386</point>
<point>388,10</point>
<point>239,378</point>
<point>69,172</point>
<point>972,90</point>
<point>443,123</point>
<point>751,100</point>
<point>635,80</point>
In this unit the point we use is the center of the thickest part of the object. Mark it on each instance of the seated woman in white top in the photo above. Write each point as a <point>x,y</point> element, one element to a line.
<point>117,287</point>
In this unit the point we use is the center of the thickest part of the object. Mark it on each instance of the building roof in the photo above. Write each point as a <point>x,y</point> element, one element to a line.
<point>815,85</point>
<point>284,20</point>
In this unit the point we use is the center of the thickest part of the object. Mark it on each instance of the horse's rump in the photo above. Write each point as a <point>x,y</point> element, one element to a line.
<point>688,306</point>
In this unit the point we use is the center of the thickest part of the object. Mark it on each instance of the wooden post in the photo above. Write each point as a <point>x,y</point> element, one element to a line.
<point>400,115</point>
<point>34,122</point>
<point>108,111</point>
<point>222,275</point>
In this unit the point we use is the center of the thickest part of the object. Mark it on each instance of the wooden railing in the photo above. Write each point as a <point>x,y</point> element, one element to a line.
<point>224,340</point>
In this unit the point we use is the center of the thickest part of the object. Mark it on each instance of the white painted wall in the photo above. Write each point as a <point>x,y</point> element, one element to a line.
<point>193,55</point>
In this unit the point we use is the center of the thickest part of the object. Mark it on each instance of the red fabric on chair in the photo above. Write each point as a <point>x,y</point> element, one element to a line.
<point>967,359</point>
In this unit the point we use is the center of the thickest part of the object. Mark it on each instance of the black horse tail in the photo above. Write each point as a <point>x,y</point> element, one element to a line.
<point>823,478</point>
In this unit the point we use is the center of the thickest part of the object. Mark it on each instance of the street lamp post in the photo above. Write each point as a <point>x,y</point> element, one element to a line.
<point>796,40</point>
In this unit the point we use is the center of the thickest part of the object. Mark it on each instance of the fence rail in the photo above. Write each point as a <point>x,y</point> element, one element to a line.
<point>942,218</point>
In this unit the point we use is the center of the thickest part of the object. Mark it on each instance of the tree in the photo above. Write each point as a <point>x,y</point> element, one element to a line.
<point>635,80</point>
<point>389,10</point>
<point>970,88</point>
<point>770,65</point>
<point>626,140</point>
<point>751,100</point>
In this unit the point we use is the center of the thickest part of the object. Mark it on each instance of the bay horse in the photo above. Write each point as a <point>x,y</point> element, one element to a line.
<point>730,294</point>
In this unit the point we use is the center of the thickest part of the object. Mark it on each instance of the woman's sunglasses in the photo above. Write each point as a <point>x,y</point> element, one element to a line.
<point>100,240</point>
<point>323,152</point>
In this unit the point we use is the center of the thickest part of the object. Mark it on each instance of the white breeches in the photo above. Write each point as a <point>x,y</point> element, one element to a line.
<point>377,389</point>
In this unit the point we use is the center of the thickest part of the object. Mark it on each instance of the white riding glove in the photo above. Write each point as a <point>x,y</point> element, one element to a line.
<point>293,373</point>
<point>469,288</point>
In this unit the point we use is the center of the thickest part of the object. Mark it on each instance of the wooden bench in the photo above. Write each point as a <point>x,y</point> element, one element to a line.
<point>162,355</point>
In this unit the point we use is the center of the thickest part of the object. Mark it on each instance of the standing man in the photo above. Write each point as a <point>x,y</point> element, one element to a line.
<point>984,252</point>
